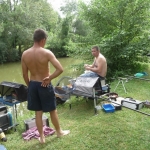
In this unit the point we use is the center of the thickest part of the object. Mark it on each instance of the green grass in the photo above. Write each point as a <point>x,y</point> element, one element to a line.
<point>124,129</point>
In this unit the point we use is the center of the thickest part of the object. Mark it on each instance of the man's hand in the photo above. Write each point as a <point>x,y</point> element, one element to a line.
<point>85,65</point>
<point>46,82</point>
<point>88,68</point>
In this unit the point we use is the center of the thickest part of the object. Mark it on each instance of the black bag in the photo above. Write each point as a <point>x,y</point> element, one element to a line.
<point>10,88</point>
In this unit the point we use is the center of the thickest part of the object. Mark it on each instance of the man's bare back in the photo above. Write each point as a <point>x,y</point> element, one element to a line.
<point>36,60</point>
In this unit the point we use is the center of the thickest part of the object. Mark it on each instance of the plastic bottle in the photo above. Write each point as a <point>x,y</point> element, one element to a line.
<point>2,136</point>
<point>4,97</point>
<point>63,87</point>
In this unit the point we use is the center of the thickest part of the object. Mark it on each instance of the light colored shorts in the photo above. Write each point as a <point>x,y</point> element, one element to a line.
<point>91,74</point>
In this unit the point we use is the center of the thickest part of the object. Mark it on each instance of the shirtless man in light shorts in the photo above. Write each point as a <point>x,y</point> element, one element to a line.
<point>99,66</point>
<point>36,74</point>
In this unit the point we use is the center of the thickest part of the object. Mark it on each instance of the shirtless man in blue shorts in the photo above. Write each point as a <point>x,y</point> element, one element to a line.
<point>99,66</point>
<point>41,97</point>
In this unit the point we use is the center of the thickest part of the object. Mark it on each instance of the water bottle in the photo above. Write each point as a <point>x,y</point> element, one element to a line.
<point>63,87</point>
<point>4,97</point>
<point>2,136</point>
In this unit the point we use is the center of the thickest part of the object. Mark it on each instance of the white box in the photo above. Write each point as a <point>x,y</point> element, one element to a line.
<point>131,103</point>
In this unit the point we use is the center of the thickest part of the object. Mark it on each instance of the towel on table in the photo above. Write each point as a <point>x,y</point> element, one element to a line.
<point>33,133</point>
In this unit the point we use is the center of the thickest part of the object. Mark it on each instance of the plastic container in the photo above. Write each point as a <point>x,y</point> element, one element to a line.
<point>140,74</point>
<point>2,147</point>
<point>30,123</point>
<point>108,108</point>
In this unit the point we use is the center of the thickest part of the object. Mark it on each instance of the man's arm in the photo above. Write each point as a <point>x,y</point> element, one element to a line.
<point>58,69</point>
<point>92,69</point>
<point>24,71</point>
<point>90,66</point>
<point>97,69</point>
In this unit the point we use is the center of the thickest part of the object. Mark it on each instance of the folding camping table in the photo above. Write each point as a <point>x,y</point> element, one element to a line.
<point>91,87</point>
<point>11,95</point>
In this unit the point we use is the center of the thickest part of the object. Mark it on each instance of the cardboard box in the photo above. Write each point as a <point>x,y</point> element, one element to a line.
<point>30,123</point>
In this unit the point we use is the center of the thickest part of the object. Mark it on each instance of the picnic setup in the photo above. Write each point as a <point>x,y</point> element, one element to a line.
<point>96,89</point>
<point>11,95</point>
<point>90,88</point>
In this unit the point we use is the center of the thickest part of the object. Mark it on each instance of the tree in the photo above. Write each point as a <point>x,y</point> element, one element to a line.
<point>69,30</point>
<point>120,28</point>
<point>19,19</point>
<point>73,28</point>
<point>61,35</point>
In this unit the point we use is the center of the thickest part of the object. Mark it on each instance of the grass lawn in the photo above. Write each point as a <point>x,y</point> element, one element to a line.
<point>124,129</point>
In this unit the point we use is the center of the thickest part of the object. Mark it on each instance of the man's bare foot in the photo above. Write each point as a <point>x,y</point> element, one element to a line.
<point>42,140</point>
<point>63,132</point>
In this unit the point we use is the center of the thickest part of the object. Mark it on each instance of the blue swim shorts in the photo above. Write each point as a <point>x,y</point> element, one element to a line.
<point>41,98</point>
<point>92,74</point>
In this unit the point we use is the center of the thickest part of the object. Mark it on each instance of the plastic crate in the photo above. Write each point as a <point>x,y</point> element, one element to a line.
<point>108,108</point>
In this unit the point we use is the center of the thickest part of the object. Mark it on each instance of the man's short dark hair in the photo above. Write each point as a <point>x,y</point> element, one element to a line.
<point>96,47</point>
<point>39,34</point>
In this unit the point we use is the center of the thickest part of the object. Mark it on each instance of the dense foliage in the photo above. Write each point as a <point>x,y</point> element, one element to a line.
<point>121,29</point>
<point>18,20</point>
